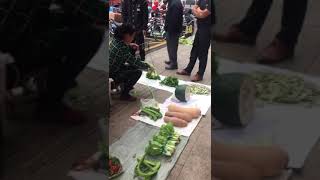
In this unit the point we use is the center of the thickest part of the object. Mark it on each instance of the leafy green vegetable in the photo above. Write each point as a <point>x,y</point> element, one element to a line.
<point>185,41</point>
<point>164,142</point>
<point>199,89</point>
<point>282,88</point>
<point>152,74</point>
<point>170,81</point>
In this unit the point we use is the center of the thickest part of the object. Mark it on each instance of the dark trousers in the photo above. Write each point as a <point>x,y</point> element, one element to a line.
<point>128,78</point>
<point>200,50</point>
<point>172,47</point>
<point>139,39</point>
<point>293,15</point>
<point>68,55</point>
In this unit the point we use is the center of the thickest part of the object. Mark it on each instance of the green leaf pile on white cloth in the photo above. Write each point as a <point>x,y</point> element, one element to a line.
<point>281,88</point>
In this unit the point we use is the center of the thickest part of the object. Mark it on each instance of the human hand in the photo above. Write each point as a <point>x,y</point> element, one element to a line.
<point>134,46</point>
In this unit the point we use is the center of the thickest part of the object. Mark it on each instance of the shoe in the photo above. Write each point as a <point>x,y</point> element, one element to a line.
<point>167,62</point>
<point>183,73</point>
<point>171,67</point>
<point>127,97</point>
<point>276,52</point>
<point>234,35</point>
<point>196,78</point>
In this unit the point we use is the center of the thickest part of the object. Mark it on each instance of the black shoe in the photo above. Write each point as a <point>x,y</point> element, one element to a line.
<point>167,62</point>
<point>171,67</point>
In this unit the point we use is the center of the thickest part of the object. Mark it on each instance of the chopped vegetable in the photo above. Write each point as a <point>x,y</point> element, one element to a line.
<point>199,89</point>
<point>151,112</point>
<point>281,88</point>
<point>152,74</point>
<point>182,93</point>
<point>164,142</point>
<point>170,81</point>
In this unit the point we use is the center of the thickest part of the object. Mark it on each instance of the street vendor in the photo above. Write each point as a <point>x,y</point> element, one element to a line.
<point>135,12</point>
<point>125,68</point>
<point>201,43</point>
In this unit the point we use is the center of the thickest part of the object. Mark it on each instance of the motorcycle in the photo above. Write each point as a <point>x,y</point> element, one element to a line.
<point>188,23</point>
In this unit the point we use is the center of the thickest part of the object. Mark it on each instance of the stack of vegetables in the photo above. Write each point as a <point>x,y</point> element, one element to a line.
<point>282,88</point>
<point>200,89</point>
<point>151,112</point>
<point>152,74</point>
<point>115,167</point>
<point>146,168</point>
<point>170,81</point>
<point>181,116</point>
<point>162,143</point>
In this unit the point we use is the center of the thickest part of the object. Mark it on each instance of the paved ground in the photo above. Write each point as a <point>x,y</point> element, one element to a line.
<point>194,162</point>
<point>306,60</point>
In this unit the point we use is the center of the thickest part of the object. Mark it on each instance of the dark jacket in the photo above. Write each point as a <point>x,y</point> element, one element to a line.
<point>174,17</point>
<point>38,22</point>
<point>135,12</point>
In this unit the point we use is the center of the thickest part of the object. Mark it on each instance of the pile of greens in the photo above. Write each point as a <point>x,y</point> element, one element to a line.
<point>152,74</point>
<point>170,81</point>
<point>282,88</point>
<point>185,41</point>
<point>163,143</point>
<point>199,89</point>
<point>152,112</point>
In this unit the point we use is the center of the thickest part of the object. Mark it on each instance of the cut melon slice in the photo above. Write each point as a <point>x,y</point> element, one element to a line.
<point>182,93</point>
<point>233,99</point>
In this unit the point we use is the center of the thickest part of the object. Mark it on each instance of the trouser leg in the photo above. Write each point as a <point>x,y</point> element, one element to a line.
<point>194,53</point>
<point>255,17</point>
<point>172,47</point>
<point>204,44</point>
<point>293,16</point>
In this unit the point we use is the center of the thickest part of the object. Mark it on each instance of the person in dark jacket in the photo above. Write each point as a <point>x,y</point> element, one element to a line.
<point>60,36</point>
<point>201,42</point>
<point>135,12</point>
<point>125,68</point>
<point>173,28</point>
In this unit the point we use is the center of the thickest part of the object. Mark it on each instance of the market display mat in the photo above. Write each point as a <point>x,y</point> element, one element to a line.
<point>132,145</point>
<point>295,128</point>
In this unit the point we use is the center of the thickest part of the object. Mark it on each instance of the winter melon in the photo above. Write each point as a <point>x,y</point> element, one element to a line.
<point>233,99</point>
<point>182,93</point>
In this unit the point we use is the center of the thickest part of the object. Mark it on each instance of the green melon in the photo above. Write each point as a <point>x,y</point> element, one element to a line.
<point>182,93</point>
<point>233,99</point>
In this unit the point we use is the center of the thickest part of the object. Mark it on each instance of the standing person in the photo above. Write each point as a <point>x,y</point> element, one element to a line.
<point>173,28</point>
<point>282,47</point>
<point>135,12</point>
<point>201,43</point>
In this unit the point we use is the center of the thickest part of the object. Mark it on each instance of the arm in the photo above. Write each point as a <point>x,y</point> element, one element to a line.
<point>133,61</point>
<point>202,13</point>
